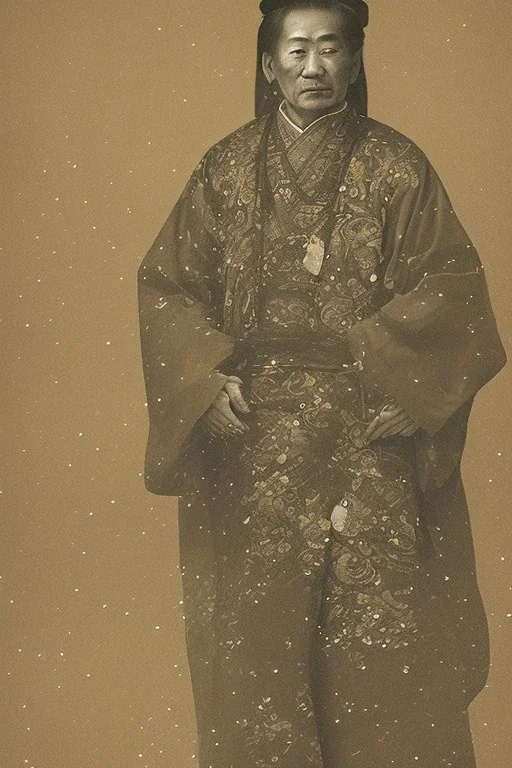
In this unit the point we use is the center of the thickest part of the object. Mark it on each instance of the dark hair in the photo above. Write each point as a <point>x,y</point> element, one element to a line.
<point>272,24</point>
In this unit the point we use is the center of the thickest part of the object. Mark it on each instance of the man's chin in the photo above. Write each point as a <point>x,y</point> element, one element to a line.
<point>311,104</point>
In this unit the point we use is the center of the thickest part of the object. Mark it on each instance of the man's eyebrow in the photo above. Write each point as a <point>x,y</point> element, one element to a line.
<point>321,39</point>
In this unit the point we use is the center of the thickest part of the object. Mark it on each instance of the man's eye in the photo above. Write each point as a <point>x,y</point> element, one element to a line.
<point>329,51</point>
<point>297,51</point>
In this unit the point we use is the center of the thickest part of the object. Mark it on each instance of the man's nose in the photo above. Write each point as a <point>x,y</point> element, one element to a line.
<point>313,66</point>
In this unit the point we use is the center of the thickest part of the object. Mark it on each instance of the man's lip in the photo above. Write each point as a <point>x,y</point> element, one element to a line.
<point>315,90</point>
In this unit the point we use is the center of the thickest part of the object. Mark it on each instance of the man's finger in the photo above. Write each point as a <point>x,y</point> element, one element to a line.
<point>410,430</point>
<point>384,417</point>
<point>390,427</point>
<point>208,428</point>
<point>236,379</point>
<point>222,429</point>
<point>233,422</point>
<point>227,420</point>
<point>227,427</point>
<point>212,428</point>
<point>236,398</point>
<point>209,422</point>
<point>221,418</point>
<point>376,423</point>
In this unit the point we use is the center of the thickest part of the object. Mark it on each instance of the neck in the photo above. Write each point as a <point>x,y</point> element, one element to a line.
<point>302,121</point>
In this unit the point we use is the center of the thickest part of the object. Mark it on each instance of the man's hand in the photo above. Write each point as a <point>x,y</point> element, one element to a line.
<point>220,419</point>
<point>392,420</point>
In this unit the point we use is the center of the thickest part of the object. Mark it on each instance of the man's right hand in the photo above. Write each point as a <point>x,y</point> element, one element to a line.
<point>221,417</point>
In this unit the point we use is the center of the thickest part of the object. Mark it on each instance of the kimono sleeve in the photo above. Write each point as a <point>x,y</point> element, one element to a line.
<point>435,343</point>
<point>180,345</point>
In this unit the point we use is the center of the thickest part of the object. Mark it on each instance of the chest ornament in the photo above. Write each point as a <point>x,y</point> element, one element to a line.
<point>315,252</point>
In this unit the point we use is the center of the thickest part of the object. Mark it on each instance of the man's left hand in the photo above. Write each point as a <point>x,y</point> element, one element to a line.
<point>392,420</point>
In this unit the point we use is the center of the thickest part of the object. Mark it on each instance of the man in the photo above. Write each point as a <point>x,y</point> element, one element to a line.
<point>315,324</point>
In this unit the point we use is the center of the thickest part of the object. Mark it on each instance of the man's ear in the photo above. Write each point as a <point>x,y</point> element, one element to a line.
<point>266,64</point>
<point>355,69</point>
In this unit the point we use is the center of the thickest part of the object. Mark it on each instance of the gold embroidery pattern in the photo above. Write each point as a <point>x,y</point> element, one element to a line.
<point>317,535</point>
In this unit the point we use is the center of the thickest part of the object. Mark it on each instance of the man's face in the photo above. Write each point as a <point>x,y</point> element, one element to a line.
<point>311,63</point>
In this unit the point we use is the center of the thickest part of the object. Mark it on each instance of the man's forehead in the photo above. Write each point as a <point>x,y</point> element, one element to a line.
<point>312,24</point>
<point>320,38</point>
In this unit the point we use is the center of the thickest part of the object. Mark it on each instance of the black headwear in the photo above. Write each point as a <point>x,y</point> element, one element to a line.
<point>357,6</point>
<point>267,97</point>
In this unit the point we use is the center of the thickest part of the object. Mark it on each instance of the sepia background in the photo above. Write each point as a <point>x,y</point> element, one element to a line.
<point>108,106</point>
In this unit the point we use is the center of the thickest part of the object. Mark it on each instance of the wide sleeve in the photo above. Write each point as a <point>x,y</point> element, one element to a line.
<point>181,346</point>
<point>435,343</point>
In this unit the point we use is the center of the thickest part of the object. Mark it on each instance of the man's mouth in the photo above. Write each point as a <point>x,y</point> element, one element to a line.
<point>315,90</point>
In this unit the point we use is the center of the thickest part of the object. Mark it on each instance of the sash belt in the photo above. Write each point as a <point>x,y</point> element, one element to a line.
<point>294,352</point>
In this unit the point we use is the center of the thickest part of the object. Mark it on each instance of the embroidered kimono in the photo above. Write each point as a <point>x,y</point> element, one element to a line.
<point>333,617</point>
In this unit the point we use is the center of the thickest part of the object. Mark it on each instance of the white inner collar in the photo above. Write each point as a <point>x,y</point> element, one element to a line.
<point>302,130</point>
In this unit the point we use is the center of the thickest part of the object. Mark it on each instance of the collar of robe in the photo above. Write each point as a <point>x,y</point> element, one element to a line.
<point>264,194</point>
<point>283,111</point>
<point>262,183</point>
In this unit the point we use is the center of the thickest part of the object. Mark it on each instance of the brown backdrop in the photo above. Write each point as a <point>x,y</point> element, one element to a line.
<point>111,103</point>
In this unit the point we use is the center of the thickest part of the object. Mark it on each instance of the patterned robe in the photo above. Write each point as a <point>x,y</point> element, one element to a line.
<point>333,618</point>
